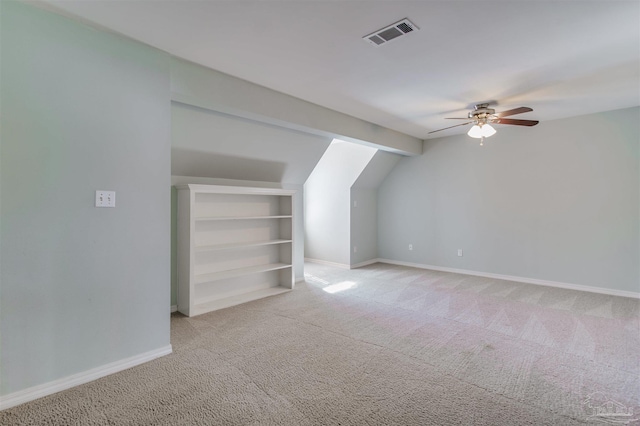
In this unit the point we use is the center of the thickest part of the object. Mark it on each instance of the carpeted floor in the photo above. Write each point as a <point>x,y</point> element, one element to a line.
<point>380,345</point>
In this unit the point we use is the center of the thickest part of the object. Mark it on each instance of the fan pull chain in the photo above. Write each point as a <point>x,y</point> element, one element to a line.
<point>481,141</point>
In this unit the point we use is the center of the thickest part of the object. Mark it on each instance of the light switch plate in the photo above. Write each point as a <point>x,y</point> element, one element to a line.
<point>105,198</point>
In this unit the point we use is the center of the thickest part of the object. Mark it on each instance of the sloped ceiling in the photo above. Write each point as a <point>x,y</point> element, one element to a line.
<point>213,145</point>
<point>562,58</point>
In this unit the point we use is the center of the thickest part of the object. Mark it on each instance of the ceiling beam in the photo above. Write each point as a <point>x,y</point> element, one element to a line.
<point>203,87</point>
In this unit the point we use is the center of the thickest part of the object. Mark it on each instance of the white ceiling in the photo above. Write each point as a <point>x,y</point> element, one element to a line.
<point>561,58</point>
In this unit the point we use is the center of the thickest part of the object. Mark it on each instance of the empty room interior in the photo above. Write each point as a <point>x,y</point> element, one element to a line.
<point>315,212</point>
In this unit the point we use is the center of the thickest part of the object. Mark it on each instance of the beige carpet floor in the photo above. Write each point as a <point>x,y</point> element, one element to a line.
<point>380,345</point>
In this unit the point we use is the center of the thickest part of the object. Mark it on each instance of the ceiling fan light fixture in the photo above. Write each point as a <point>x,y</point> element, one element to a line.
<point>475,132</point>
<point>487,130</point>
<point>482,115</point>
<point>479,131</point>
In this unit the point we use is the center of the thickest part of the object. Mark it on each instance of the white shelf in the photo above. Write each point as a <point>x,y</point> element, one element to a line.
<point>212,305</point>
<point>243,217</point>
<point>232,273</point>
<point>223,227</point>
<point>239,245</point>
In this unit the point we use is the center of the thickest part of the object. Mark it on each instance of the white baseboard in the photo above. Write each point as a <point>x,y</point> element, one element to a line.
<point>324,262</point>
<point>174,308</point>
<point>35,392</point>
<point>365,263</point>
<point>580,287</point>
<point>342,265</point>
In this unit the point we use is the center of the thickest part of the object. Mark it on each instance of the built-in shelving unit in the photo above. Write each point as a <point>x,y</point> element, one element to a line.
<point>235,245</point>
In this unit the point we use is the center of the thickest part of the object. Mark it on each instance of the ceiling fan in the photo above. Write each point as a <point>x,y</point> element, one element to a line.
<point>482,116</point>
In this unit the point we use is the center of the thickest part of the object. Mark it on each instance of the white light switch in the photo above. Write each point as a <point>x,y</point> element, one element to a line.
<point>105,198</point>
<point>460,252</point>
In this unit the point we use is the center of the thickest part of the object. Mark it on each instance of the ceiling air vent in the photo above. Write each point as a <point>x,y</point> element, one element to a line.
<point>391,32</point>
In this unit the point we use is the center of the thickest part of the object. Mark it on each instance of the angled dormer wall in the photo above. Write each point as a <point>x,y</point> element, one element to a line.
<point>327,199</point>
<point>364,208</point>
<point>341,204</point>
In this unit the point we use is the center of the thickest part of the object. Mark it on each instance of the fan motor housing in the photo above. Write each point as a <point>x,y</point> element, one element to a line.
<point>481,111</point>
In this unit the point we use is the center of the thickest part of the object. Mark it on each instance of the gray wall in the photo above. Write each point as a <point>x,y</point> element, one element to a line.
<point>364,206</point>
<point>559,202</point>
<point>82,110</point>
<point>327,198</point>
<point>364,225</point>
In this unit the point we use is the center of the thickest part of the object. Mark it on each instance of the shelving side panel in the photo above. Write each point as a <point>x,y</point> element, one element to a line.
<point>184,261</point>
<point>236,205</point>
<point>285,229</point>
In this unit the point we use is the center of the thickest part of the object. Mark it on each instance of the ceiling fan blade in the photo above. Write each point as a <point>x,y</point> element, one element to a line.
<point>456,118</point>
<point>516,122</point>
<point>457,125</point>
<point>513,112</point>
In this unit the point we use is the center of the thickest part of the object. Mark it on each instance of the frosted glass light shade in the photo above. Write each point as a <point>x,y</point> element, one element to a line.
<point>475,132</point>
<point>487,131</point>
<point>483,131</point>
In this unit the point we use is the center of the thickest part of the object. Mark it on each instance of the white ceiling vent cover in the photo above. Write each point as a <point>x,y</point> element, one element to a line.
<point>392,32</point>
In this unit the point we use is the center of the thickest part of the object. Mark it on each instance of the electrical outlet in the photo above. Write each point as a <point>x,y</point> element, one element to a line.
<point>355,203</point>
<point>105,198</point>
<point>410,246</point>
<point>355,249</point>
<point>460,252</point>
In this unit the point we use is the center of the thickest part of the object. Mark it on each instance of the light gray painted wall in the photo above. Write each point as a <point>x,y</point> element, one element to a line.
<point>82,110</point>
<point>327,195</point>
<point>196,85</point>
<point>364,225</point>
<point>364,206</point>
<point>559,202</point>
